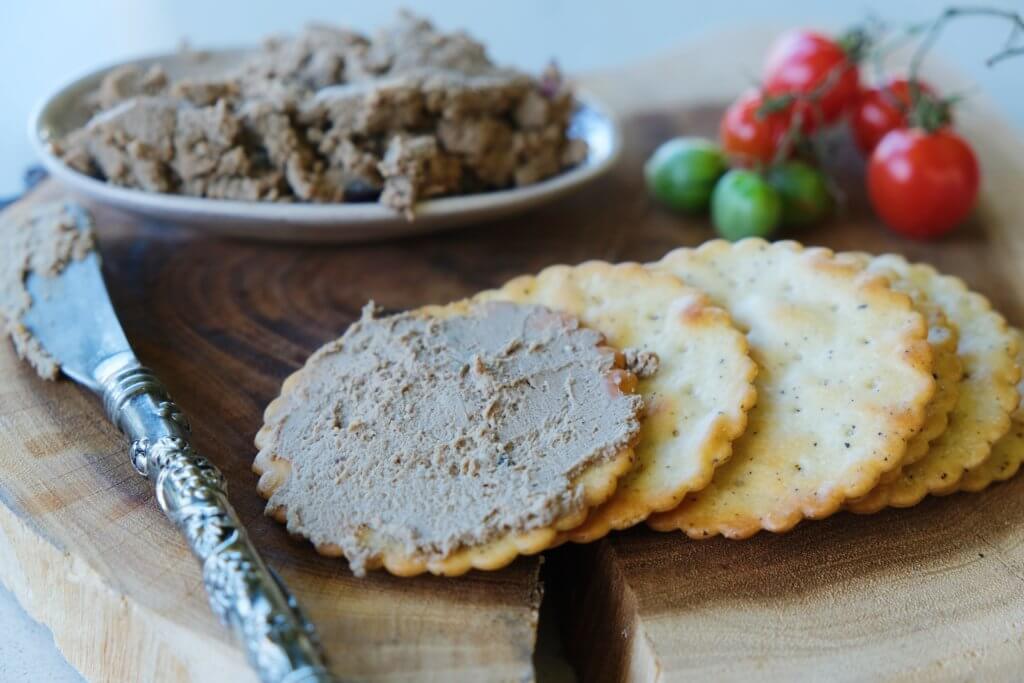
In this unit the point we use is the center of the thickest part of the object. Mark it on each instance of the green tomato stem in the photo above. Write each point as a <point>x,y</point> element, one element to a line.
<point>927,112</point>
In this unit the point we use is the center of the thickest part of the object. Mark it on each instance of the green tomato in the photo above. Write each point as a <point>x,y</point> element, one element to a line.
<point>803,191</point>
<point>745,205</point>
<point>682,173</point>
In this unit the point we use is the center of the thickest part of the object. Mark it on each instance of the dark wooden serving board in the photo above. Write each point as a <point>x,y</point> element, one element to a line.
<point>932,592</point>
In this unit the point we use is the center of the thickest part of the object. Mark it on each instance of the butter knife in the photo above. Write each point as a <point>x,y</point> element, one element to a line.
<point>72,317</point>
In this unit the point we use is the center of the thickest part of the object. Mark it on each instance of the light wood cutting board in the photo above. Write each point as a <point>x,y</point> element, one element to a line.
<point>929,593</point>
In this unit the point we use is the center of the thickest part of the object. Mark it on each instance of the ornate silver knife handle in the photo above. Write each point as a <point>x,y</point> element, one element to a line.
<point>246,595</point>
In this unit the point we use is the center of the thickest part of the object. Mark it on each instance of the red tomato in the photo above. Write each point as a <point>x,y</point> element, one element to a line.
<point>747,137</point>
<point>799,62</point>
<point>880,110</point>
<point>922,184</point>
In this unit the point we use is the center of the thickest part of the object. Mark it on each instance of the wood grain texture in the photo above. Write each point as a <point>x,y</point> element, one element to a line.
<point>924,594</point>
<point>932,592</point>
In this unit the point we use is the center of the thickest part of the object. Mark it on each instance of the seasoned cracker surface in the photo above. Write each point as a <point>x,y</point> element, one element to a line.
<point>698,397</point>
<point>1007,453</point>
<point>988,394</point>
<point>844,378</point>
<point>448,437</point>
<point>947,369</point>
<point>1001,464</point>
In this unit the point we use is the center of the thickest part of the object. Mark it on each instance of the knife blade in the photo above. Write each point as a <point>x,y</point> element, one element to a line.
<point>73,319</point>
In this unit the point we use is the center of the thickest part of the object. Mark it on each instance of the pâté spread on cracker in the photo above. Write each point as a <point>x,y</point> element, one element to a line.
<point>449,437</point>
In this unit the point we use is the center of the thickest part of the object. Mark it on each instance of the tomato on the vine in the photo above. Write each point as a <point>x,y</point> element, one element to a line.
<point>922,184</point>
<point>882,109</point>
<point>748,133</point>
<point>799,63</point>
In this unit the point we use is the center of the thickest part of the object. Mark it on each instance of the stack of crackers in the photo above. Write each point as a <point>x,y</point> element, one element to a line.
<point>791,383</point>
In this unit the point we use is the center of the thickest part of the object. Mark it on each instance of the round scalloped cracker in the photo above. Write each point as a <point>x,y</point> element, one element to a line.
<point>988,393</point>
<point>1008,453</point>
<point>1000,465</point>
<point>947,369</point>
<point>845,375</point>
<point>595,483</point>
<point>696,401</point>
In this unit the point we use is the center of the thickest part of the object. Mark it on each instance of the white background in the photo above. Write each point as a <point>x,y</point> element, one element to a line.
<point>44,43</point>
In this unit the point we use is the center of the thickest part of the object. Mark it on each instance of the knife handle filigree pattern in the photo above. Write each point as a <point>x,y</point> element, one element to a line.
<point>280,642</point>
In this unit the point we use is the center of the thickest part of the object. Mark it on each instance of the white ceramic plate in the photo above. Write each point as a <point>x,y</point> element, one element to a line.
<point>64,111</point>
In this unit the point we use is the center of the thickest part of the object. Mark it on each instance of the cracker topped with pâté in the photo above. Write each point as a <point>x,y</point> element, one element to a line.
<point>449,437</point>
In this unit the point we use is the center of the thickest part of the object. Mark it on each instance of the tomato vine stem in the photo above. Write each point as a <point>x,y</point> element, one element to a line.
<point>929,112</point>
